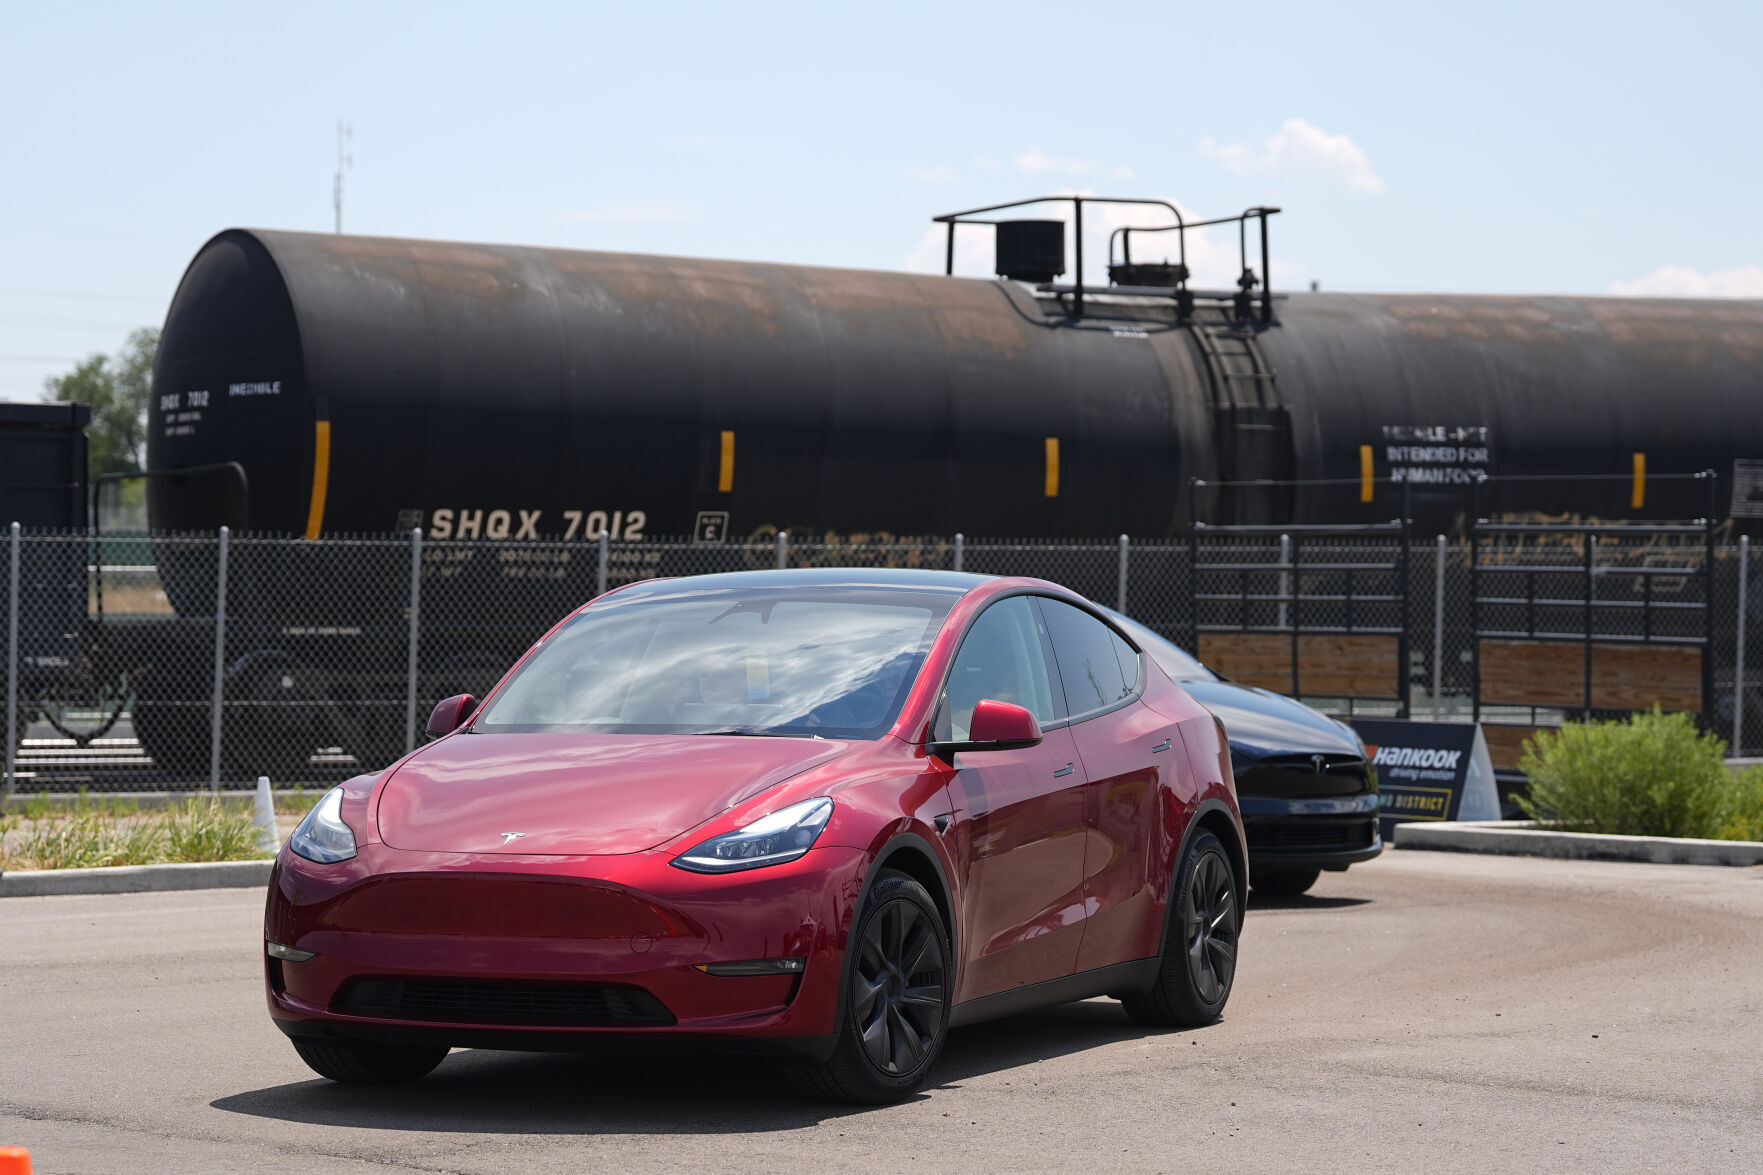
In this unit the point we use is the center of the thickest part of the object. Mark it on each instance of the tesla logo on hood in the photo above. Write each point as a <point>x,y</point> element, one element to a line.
<point>1319,763</point>
<point>509,838</point>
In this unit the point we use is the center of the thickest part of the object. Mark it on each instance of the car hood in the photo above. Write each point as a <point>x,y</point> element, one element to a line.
<point>1260,723</point>
<point>579,794</point>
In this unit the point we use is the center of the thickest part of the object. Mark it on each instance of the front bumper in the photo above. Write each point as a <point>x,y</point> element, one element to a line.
<point>1323,832</point>
<point>549,953</point>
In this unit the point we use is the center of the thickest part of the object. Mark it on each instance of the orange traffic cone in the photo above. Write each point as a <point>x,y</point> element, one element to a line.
<point>15,1160</point>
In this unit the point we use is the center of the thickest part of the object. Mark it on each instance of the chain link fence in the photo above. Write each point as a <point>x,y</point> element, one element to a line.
<point>174,662</point>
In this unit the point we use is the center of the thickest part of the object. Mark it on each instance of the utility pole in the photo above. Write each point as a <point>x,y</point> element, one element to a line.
<point>345,133</point>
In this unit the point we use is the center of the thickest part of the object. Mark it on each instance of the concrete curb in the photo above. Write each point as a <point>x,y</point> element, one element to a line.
<point>32,883</point>
<point>1521,838</point>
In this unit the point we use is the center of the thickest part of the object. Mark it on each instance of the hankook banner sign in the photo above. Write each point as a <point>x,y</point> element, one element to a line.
<point>1429,771</point>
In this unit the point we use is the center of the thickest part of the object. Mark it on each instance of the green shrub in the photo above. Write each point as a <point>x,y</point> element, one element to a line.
<point>1744,817</point>
<point>1652,774</point>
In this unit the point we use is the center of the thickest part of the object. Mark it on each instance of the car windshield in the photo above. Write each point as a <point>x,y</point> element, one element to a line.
<point>1171,658</point>
<point>833,662</point>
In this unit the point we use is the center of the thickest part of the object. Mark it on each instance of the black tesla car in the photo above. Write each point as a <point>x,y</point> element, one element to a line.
<point>1308,794</point>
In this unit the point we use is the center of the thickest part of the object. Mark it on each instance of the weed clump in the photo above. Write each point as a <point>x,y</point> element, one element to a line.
<point>92,834</point>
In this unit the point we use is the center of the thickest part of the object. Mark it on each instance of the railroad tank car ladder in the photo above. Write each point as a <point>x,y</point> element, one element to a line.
<point>1252,429</point>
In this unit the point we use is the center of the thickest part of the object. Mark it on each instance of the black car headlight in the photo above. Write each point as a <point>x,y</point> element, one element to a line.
<point>322,836</point>
<point>770,840</point>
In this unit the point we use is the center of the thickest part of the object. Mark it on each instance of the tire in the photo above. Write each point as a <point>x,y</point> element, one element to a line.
<point>1199,944</point>
<point>1283,880</point>
<point>894,1002</point>
<point>364,1063</point>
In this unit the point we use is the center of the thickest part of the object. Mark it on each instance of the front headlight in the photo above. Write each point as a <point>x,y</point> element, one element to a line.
<point>770,840</point>
<point>322,836</point>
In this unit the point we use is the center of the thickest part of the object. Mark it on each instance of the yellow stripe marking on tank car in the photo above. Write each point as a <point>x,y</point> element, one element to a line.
<point>725,477</point>
<point>1365,473</point>
<point>321,477</point>
<point>1639,498</point>
<point>1052,467</point>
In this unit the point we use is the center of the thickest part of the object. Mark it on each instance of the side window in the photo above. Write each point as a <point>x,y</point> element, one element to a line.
<point>1000,659</point>
<point>1088,664</point>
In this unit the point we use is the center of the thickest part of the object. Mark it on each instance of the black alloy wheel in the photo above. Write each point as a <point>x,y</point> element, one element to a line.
<point>1199,945</point>
<point>896,1005</point>
<point>901,987</point>
<point>1210,928</point>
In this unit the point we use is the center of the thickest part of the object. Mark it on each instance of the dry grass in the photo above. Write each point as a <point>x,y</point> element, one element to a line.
<point>96,833</point>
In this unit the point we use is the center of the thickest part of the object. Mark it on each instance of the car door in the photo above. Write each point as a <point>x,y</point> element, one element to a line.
<point>1018,820</point>
<point>1125,749</point>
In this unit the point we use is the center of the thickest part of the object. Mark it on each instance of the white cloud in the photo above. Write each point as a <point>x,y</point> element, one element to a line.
<point>1299,150</point>
<point>941,174</point>
<point>664,211</point>
<point>1123,172</point>
<point>1677,281</point>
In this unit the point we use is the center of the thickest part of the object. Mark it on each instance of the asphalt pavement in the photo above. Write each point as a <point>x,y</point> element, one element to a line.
<point>1424,1012</point>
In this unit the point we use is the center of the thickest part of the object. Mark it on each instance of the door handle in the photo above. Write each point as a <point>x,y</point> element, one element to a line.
<point>1065,770</point>
<point>1162,746</point>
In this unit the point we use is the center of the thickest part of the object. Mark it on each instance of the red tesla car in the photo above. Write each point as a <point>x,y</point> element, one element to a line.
<point>825,813</point>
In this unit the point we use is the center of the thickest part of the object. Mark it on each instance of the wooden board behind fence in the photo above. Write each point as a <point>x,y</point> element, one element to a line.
<point>1624,677</point>
<point>1335,665</point>
<point>1506,744</point>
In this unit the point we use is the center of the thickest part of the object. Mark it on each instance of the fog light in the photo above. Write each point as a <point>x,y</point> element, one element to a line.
<point>792,966</point>
<point>291,954</point>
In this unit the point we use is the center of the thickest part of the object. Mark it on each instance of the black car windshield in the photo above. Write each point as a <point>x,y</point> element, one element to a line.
<point>1170,657</point>
<point>834,662</point>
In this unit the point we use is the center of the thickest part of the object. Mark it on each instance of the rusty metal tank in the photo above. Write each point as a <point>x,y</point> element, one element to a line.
<point>501,392</point>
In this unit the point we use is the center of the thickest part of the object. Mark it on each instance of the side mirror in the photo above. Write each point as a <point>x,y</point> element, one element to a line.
<point>996,726</point>
<point>450,714</point>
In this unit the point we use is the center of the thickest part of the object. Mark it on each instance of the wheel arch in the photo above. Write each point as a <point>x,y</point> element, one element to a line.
<point>911,854</point>
<point>1215,816</point>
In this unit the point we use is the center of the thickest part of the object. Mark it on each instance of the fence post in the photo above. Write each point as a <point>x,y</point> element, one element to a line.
<point>12,673</point>
<point>415,630</point>
<point>1120,593</point>
<point>600,573</point>
<point>1438,627</point>
<point>960,549</point>
<point>783,549</point>
<point>1738,670</point>
<point>1285,583</point>
<point>219,664</point>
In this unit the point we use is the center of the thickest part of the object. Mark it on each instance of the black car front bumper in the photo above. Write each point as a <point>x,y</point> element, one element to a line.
<point>1318,832</point>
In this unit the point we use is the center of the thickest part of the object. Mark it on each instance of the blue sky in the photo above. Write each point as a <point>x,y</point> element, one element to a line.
<point>1489,147</point>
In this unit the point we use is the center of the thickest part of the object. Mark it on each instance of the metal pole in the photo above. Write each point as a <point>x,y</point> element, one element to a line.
<point>783,549</point>
<point>1297,613</point>
<point>12,673</point>
<point>1738,670</point>
<point>1285,577</point>
<point>1078,216</point>
<point>600,572</point>
<point>960,550</point>
<point>219,663</point>
<point>1438,628</point>
<point>1591,547</point>
<point>415,629</point>
<point>1120,592</point>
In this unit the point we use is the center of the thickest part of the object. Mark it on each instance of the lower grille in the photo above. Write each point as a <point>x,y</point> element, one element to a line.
<point>1316,836</point>
<point>527,1005</point>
